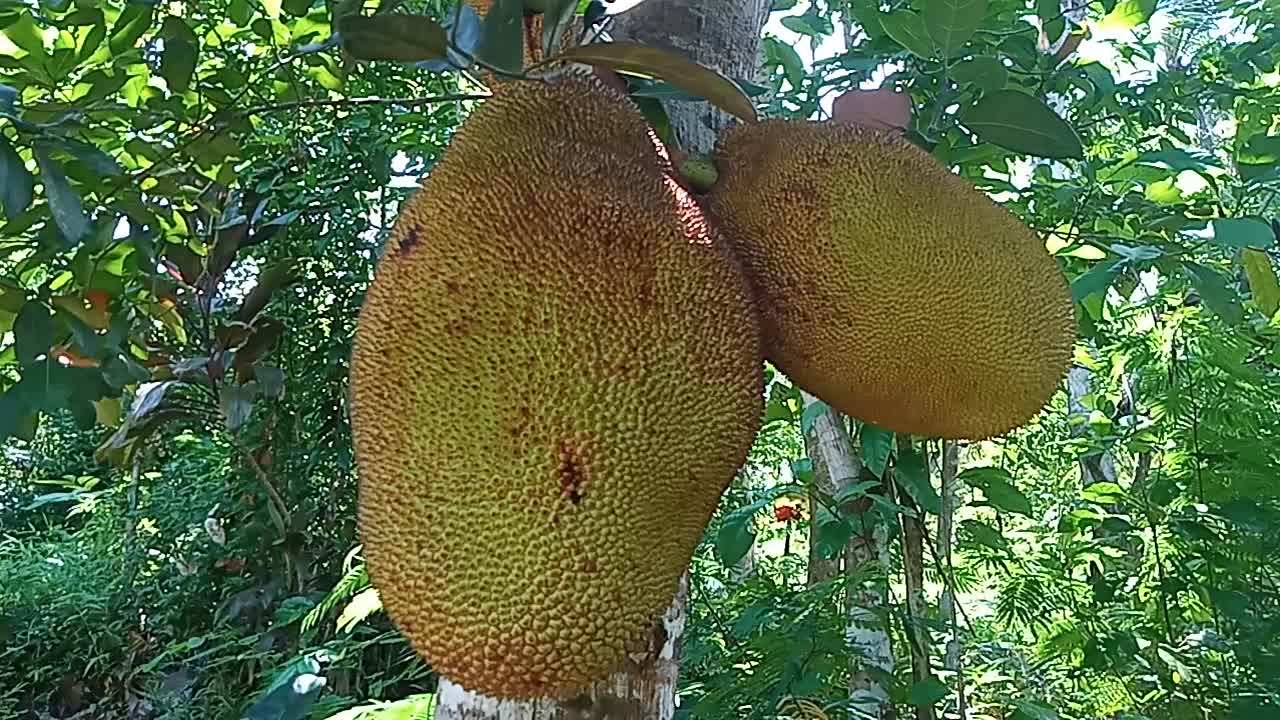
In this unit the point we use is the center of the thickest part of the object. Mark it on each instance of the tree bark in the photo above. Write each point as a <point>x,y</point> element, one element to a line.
<point>913,577</point>
<point>835,464</point>
<point>950,468</point>
<point>724,35</point>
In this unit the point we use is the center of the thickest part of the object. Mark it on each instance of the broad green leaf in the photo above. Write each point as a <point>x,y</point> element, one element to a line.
<point>16,183</point>
<point>1103,493</point>
<point>997,484</point>
<point>134,21</point>
<point>1242,233</point>
<point>950,23</point>
<point>1262,280</point>
<point>876,445</point>
<point>296,8</point>
<point>636,59</point>
<point>236,403</point>
<point>15,413</point>
<point>810,414</point>
<point>26,34</point>
<point>736,535</point>
<point>1097,279</point>
<point>64,202</point>
<point>1051,19</point>
<point>984,534</point>
<point>986,72</point>
<point>393,36</point>
<point>1215,292</point>
<point>833,534</point>
<point>908,30</point>
<point>559,17</point>
<point>178,63</point>
<point>1036,711</point>
<point>912,474</point>
<point>240,12</point>
<point>502,35</point>
<point>927,693</point>
<point>34,332</point>
<point>1127,14</point>
<point>1259,156</point>
<point>1017,121</point>
<point>787,58</point>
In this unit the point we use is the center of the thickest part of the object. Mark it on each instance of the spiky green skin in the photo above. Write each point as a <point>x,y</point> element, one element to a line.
<point>556,373</point>
<point>888,286</point>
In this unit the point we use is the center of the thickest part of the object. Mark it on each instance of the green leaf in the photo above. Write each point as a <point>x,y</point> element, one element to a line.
<point>1242,233</point>
<point>1017,121</point>
<point>1263,282</point>
<point>64,202</point>
<point>178,64</point>
<point>16,414</point>
<point>912,474</point>
<point>950,23</point>
<point>1127,14</point>
<point>502,35</point>
<point>908,30</point>
<point>810,414</point>
<point>24,33</point>
<point>16,183</point>
<point>1097,279</point>
<point>984,534</point>
<point>132,24</point>
<point>1215,292</point>
<point>636,59</point>
<point>1103,493</point>
<point>296,8</point>
<point>393,36</point>
<point>997,485</point>
<point>927,693</point>
<point>985,72</point>
<point>559,18</point>
<point>787,58</point>
<point>736,535</point>
<point>241,12</point>
<point>876,444</point>
<point>34,332</point>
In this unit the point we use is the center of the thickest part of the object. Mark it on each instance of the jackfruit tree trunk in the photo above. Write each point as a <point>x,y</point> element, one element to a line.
<point>913,576</point>
<point>947,602</point>
<point>725,35</point>
<point>835,466</point>
<point>871,652</point>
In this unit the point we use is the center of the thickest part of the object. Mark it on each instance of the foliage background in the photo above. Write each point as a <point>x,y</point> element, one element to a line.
<point>194,196</point>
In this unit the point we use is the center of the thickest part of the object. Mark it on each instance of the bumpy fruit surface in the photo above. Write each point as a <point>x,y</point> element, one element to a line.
<point>557,370</point>
<point>889,287</point>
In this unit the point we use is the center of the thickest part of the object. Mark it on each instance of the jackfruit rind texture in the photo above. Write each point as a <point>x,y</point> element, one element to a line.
<point>890,287</point>
<point>556,372</point>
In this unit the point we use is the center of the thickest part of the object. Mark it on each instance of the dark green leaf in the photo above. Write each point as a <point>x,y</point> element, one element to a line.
<point>236,402</point>
<point>240,12</point>
<point>1103,493</point>
<point>1097,280</point>
<point>297,8</point>
<point>502,35</point>
<point>876,444</point>
<point>16,184</point>
<point>787,58</point>
<point>1017,121</point>
<point>1216,293</point>
<point>132,24</point>
<point>64,202</point>
<point>178,64</point>
<point>908,30</point>
<point>559,18</point>
<point>736,535</point>
<point>988,73</point>
<point>1242,233</point>
<point>34,332</point>
<point>24,33</point>
<point>984,534</point>
<point>912,474</point>
<point>637,59</point>
<point>927,693</point>
<point>393,36</point>
<point>811,413</point>
<point>950,23</point>
<point>997,485</point>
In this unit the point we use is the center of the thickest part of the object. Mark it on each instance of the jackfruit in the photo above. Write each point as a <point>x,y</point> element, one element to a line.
<point>889,287</point>
<point>556,372</point>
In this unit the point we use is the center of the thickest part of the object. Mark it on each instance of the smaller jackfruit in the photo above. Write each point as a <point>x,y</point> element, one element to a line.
<point>557,370</point>
<point>889,287</point>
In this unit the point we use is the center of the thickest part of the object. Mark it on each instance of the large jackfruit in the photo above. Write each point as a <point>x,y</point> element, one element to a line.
<point>557,370</point>
<point>889,287</point>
